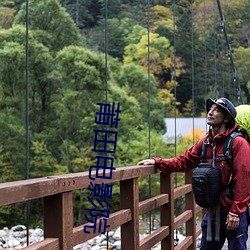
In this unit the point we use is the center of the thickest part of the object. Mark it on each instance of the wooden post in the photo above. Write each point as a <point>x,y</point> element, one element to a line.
<point>190,205</point>
<point>58,219</point>
<point>167,210</point>
<point>129,198</point>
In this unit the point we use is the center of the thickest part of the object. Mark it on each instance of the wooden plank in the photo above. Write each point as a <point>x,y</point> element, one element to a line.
<point>129,198</point>
<point>178,192</point>
<point>116,219</point>
<point>152,203</point>
<point>58,219</point>
<point>198,231</point>
<point>190,205</point>
<point>24,190</point>
<point>154,238</point>
<point>182,218</point>
<point>46,244</point>
<point>198,209</point>
<point>74,181</point>
<point>185,244</point>
<point>167,210</point>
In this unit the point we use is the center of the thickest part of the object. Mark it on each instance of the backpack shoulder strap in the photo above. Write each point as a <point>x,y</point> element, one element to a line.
<point>227,148</point>
<point>203,152</point>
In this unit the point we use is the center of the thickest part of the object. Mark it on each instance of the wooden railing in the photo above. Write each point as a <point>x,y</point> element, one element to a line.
<point>56,192</point>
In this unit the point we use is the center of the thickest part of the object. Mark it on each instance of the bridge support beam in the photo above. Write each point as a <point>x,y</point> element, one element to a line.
<point>58,219</point>
<point>190,205</point>
<point>129,198</point>
<point>167,210</point>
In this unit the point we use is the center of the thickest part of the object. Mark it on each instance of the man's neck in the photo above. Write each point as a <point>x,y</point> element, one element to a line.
<point>216,130</point>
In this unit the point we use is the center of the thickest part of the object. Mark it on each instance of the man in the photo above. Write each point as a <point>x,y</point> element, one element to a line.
<point>221,115</point>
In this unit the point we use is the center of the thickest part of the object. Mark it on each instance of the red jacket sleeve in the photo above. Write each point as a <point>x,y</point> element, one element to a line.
<point>183,163</point>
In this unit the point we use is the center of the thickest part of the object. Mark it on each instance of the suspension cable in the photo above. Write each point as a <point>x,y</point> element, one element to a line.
<point>175,95</point>
<point>106,76</point>
<point>192,76</point>
<point>205,49</point>
<point>174,75</point>
<point>229,53</point>
<point>215,52</point>
<point>149,121</point>
<point>27,207</point>
<point>106,49</point>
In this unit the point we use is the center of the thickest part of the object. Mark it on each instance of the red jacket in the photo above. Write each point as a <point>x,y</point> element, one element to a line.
<point>241,167</point>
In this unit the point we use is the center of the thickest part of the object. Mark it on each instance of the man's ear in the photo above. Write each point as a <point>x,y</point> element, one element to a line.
<point>228,118</point>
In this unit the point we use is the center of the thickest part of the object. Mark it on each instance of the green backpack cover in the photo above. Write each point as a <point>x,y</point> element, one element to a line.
<point>243,119</point>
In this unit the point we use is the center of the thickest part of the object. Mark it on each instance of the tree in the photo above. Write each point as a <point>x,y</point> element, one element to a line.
<point>242,64</point>
<point>53,25</point>
<point>161,16</point>
<point>161,57</point>
<point>136,82</point>
<point>6,17</point>
<point>40,60</point>
<point>84,13</point>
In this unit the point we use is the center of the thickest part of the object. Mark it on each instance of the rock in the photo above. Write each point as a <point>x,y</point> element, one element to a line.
<point>111,233</point>
<point>117,235</point>
<point>103,243</point>
<point>96,248</point>
<point>111,240</point>
<point>18,247</point>
<point>38,232</point>
<point>16,238</point>
<point>18,228</point>
<point>13,243</point>
<point>18,234</point>
<point>117,244</point>
<point>3,233</point>
<point>100,238</point>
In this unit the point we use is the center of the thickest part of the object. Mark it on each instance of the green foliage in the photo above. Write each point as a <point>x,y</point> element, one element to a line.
<point>136,83</point>
<point>242,63</point>
<point>12,149</point>
<point>42,162</point>
<point>84,13</point>
<point>53,25</point>
<point>118,31</point>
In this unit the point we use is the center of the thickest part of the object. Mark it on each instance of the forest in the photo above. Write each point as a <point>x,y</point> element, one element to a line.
<point>157,59</point>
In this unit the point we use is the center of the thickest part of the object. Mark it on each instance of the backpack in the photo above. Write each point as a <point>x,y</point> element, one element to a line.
<point>206,179</point>
<point>206,185</point>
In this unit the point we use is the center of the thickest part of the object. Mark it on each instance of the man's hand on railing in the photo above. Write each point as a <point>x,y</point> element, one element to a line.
<point>146,162</point>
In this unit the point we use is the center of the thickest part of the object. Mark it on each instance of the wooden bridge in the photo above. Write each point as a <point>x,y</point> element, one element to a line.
<point>56,192</point>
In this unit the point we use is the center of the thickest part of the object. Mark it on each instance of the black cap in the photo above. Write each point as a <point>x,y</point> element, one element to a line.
<point>223,103</point>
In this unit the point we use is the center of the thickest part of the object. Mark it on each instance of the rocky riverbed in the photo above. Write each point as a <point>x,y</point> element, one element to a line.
<point>16,238</point>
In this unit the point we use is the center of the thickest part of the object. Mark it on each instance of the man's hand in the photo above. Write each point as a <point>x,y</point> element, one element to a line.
<point>232,221</point>
<point>146,162</point>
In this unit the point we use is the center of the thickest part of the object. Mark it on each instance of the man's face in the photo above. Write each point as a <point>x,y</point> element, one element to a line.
<point>215,116</point>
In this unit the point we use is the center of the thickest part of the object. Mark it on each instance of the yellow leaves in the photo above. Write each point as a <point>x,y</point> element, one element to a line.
<point>188,107</point>
<point>161,16</point>
<point>195,134</point>
<point>166,96</point>
<point>171,85</point>
<point>6,17</point>
<point>179,69</point>
<point>159,53</point>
